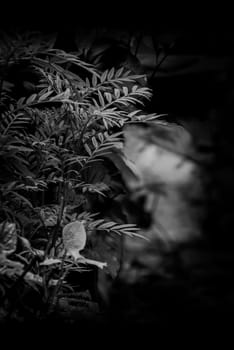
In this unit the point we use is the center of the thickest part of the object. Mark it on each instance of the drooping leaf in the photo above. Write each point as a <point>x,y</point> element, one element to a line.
<point>101,99</point>
<point>50,261</point>
<point>31,98</point>
<point>110,74</point>
<point>45,96</point>
<point>94,80</point>
<point>104,76</point>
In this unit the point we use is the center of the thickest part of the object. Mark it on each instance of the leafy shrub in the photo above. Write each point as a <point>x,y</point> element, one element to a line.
<point>61,125</point>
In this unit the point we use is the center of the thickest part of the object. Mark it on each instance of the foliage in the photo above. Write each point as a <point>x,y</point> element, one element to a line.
<point>61,121</point>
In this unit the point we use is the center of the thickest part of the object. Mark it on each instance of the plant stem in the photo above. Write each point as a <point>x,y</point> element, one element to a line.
<point>158,65</point>
<point>54,235</point>
<point>54,298</point>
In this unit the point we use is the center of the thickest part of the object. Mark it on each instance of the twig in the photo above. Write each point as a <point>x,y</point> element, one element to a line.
<point>158,65</point>
<point>54,235</point>
<point>54,298</point>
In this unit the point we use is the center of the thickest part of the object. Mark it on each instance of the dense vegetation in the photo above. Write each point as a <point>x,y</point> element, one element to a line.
<point>61,187</point>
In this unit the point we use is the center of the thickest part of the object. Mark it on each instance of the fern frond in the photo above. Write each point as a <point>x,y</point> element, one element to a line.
<point>72,161</point>
<point>139,116</point>
<point>35,100</point>
<point>97,187</point>
<point>102,145</point>
<point>123,96</point>
<point>59,57</point>
<point>111,117</point>
<point>113,227</point>
<point>112,78</point>
<point>87,216</point>
<point>13,122</point>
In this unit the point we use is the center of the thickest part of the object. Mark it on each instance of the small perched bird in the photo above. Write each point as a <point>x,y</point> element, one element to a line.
<point>74,238</point>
